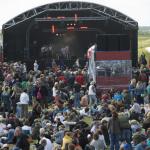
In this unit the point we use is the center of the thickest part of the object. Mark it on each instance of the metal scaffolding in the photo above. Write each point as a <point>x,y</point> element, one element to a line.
<point>100,10</point>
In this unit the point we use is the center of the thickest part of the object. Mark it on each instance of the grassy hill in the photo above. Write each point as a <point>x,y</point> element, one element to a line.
<point>144,41</point>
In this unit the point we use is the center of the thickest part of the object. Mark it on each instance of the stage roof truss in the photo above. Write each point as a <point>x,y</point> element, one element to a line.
<point>73,6</point>
<point>71,19</point>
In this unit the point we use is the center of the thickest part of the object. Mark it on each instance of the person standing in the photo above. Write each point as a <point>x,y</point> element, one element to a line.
<point>92,94</point>
<point>36,66</point>
<point>5,97</point>
<point>114,131</point>
<point>24,100</point>
<point>126,133</point>
<point>77,88</point>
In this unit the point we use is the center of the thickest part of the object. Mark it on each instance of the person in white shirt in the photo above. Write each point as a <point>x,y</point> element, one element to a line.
<point>48,144</point>
<point>85,112</point>
<point>92,94</point>
<point>24,100</point>
<point>24,97</point>
<point>55,89</point>
<point>36,66</point>
<point>26,129</point>
<point>136,108</point>
<point>98,142</point>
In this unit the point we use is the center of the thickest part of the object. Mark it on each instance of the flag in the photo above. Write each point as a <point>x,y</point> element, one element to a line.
<point>91,63</point>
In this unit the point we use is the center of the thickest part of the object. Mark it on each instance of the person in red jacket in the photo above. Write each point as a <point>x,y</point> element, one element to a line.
<point>79,78</point>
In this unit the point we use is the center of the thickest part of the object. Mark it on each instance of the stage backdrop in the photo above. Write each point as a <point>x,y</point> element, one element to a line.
<point>113,69</point>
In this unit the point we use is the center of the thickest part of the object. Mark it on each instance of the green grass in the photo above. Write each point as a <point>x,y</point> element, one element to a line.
<point>143,42</point>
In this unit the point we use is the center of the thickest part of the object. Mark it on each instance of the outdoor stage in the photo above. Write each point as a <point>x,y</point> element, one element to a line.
<point>65,30</point>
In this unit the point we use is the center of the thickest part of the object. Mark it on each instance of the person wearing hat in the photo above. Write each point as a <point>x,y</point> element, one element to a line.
<point>135,125</point>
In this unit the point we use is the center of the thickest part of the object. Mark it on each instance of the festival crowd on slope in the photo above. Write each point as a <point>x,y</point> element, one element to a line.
<point>58,109</point>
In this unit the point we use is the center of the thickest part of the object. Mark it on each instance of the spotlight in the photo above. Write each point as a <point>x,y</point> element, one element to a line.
<point>83,27</point>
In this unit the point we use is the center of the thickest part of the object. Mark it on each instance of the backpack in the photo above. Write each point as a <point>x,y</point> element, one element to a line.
<point>39,95</point>
<point>124,121</point>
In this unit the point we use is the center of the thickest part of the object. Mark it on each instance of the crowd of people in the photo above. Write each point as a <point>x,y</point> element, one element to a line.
<point>59,109</point>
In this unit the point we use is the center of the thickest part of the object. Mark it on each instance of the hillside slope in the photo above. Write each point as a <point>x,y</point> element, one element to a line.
<point>144,41</point>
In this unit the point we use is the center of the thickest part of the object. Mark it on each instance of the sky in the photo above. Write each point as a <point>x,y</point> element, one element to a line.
<point>138,10</point>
